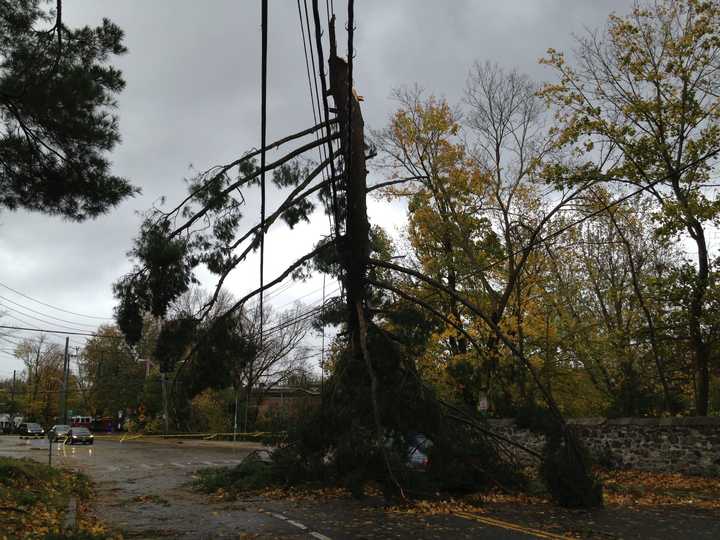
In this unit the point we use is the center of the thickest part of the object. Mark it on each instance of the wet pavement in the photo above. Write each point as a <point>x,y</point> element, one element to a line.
<point>143,489</point>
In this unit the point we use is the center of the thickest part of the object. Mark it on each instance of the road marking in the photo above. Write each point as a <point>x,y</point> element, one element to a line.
<point>297,524</point>
<point>511,526</point>
<point>210,463</point>
<point>300,526</point>
<point>178,465</point>
<point>145,466</point>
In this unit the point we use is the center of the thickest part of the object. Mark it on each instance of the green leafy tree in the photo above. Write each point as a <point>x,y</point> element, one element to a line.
<point>640,105</point>
<point>607,297</point>
<point>112,378</point>
<point>44,370</point>
<point>57,95</point>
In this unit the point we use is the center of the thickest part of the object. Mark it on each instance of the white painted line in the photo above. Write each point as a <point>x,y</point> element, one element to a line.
<point>145,466</point>
<point>178,465</point>
<point>210,463</point>
<point>298,525</point>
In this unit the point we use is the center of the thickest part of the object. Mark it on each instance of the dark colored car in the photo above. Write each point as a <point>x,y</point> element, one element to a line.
<point>59,432</point>
<point>79,435</point>
<point>31,429</point>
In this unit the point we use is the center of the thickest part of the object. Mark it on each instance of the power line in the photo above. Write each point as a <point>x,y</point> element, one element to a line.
<point>53,307</point>
<point>351,31</point>
<point>326,110</point>
<point>591,215</point>
<point>570,225</point>
<point>314,95</point>
<point>47,331</point>
<point>20,340</point>
<point>45,314</point>
<point>263,133</point>
<point>307,69</point>
<point>297,299</point>
<point>329,11</point>
<point>39,319</point>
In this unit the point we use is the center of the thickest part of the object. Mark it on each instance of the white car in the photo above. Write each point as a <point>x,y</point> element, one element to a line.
<point>60,432</point>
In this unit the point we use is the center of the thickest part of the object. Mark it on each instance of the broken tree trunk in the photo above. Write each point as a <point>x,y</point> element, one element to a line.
<point>354,247</point>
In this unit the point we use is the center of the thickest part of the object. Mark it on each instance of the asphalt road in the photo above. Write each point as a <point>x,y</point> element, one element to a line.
<point>143,489</point>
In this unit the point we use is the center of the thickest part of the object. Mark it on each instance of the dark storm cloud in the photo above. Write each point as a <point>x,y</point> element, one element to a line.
<point>192,97</point>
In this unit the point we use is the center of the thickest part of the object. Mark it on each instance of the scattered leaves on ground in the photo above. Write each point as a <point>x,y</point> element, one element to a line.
<point>642,488</point>
<point>150,499</point>
<point>433,508</point>
<point>35,497</point>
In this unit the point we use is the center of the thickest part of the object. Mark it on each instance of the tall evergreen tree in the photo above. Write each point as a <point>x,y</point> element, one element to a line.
<point>57,97</point>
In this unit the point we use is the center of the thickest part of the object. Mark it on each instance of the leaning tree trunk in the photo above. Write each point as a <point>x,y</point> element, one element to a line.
<point>701,351</point>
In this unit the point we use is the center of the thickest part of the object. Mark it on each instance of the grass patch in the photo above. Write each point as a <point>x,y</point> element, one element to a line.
<point>34,498</point>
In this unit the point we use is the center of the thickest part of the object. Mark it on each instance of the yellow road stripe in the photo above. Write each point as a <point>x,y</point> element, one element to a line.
<point>511,526</point>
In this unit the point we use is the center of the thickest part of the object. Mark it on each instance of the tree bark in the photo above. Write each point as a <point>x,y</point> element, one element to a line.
<point>701,351</point>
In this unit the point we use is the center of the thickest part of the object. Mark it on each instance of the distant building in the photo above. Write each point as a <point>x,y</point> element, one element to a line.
<point>285,399</point>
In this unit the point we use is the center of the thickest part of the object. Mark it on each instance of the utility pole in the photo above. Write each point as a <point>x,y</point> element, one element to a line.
<point>66,369</point>
<point>235,423</point>
<point>165,400</point>
<point>355,246</point>
<point>12,392</point>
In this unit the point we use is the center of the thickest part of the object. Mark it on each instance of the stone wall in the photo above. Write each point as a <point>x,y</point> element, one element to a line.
<point>689,445</point>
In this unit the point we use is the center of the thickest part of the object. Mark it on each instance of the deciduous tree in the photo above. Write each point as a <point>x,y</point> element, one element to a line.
<point>639,103</point>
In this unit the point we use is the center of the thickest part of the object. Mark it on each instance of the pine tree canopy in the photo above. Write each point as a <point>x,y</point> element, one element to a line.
<point>57,121</point>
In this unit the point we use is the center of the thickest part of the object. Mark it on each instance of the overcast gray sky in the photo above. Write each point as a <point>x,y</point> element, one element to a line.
<point>192,98</point>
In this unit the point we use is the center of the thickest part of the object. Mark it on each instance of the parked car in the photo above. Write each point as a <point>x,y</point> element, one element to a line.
<point>79,435</point>
<point>31,429</point>
<point>59,432</point>
<point>6,423</point>
<point>418,448</point>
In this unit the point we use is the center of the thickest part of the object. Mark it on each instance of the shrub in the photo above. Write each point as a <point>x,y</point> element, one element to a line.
<point>567,473</point>
<point>251,474</point>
